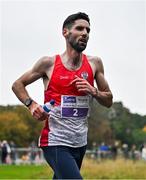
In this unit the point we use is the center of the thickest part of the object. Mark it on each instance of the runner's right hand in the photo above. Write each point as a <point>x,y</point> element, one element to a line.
<point>38,112</point>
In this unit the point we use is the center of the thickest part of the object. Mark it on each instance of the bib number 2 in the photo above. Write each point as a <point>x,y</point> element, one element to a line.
<point>75,112</point>
<point>74,106</point>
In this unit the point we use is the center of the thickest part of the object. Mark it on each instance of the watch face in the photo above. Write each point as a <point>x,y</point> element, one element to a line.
<point>28,102</point>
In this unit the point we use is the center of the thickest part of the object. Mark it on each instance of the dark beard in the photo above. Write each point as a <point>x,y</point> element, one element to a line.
<point>79,47</point>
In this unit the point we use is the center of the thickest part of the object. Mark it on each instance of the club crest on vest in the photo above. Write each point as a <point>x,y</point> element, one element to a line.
<point>84,75</point>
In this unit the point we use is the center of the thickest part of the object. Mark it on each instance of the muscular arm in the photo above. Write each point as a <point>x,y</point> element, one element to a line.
<point>18,87</point>
<point>37,71</point>
<point>103,93</point>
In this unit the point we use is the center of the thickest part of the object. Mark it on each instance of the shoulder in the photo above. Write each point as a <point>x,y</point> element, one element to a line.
<point>44,62</point>
<point>95,62</point>
<point>94,59</point>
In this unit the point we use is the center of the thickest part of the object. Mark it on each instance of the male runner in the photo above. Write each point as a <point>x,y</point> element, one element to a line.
<point>69,80</point>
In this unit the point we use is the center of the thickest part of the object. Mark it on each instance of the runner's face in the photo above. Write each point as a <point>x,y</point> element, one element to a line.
<point>78,35</point>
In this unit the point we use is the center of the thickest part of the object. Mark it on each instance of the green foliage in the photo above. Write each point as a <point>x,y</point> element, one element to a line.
<point>99,125</point>
<point>127,127</point>
<point>139,136</point>
<point>17,124</point>
<point>116,123</point>
<point>12,127</point>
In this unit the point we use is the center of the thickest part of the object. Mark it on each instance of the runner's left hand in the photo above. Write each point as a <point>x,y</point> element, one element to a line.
<point>83,86</point>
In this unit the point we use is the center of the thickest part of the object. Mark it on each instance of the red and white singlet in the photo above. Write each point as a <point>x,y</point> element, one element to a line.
<point>67,124</point>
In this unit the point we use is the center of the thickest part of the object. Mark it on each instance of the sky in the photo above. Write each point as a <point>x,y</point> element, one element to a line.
<point>30,30</point>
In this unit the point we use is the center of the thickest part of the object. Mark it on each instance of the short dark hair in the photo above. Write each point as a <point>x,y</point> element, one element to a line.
<point>69,21</point>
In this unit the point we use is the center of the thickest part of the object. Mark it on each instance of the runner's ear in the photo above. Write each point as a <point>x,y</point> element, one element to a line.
<point>65,32</point>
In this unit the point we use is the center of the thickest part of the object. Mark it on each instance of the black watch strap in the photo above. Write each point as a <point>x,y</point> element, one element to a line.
<point>28,102</point>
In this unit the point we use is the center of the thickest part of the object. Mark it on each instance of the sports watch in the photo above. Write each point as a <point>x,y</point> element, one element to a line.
<point>28,102</point>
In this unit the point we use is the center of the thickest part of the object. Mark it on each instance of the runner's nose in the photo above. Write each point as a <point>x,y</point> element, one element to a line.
<point>84,32</point>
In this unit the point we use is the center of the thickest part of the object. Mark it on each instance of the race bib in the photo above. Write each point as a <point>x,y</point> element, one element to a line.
<point>74,106</point>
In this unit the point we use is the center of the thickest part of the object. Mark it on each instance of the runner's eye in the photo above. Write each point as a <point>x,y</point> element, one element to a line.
<point>88,30</point>
<point>79,28</point>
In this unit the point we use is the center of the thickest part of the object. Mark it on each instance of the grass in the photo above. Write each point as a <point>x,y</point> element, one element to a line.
<point>91,169</point>
<point>109,169</point>
<point>25,172</point>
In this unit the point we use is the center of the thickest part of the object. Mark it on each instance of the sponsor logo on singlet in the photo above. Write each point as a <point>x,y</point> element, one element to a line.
<point>64,77</point>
